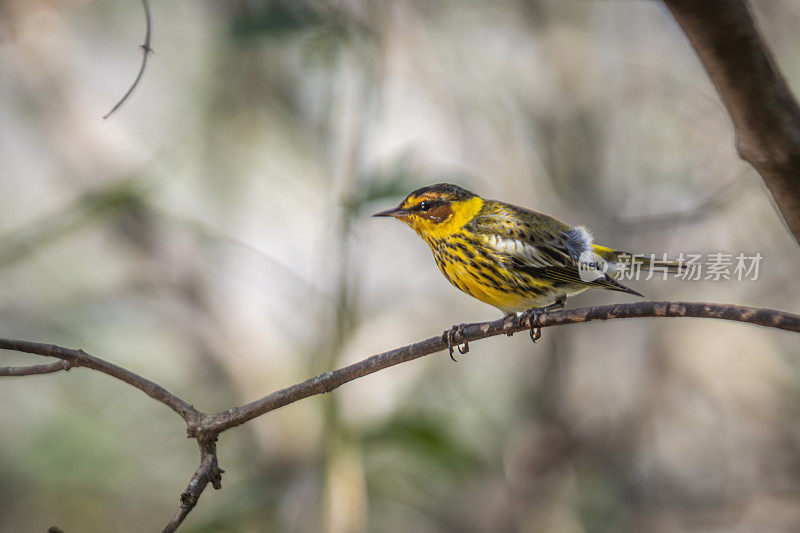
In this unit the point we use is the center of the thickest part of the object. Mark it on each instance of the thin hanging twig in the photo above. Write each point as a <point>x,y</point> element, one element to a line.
<point>145,46</point>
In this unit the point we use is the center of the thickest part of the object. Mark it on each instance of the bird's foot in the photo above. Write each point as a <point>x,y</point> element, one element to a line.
<point>449,337</point>
<point>532,316</point>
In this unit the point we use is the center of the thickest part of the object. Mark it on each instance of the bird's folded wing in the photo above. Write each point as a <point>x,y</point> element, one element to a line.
<point>547,255</point>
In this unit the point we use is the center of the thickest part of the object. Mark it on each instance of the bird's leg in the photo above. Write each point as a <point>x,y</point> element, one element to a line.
<point>532,315</point>
<point>448,335</point>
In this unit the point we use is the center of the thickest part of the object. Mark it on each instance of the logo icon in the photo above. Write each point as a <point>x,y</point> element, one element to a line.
<point>591,266</point>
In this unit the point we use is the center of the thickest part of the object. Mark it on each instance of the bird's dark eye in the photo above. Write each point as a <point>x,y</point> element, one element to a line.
<point>424,206</point>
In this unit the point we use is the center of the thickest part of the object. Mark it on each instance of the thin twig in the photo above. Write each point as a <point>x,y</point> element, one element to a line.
<point>700,209</point>
<point>208,472</point>
<point>48,368</point>
<point>145,46</point>
<point>81,358</point>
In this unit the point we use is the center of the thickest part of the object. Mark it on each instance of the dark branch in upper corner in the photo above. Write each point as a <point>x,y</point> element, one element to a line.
<point>145,46</point>
<point>765,113</point>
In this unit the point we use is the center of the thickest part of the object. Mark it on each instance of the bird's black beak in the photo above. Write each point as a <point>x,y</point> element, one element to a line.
<point>395,212</point>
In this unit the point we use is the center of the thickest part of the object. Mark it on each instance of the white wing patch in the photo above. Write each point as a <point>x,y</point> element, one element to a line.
<point>522,250</point>
<point>575,241</point>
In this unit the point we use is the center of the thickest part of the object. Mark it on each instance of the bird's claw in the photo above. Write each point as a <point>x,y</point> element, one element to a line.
<point>448,337</point>
<point>532,316</point>
<point>534,313</point>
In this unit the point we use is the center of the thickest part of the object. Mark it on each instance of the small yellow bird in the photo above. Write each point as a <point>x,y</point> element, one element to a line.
<point>508,256</point>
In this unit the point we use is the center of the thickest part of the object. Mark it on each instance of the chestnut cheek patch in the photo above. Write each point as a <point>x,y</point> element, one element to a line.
<point>439,213</point>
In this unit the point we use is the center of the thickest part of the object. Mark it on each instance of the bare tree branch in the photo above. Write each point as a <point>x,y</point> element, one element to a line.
<point>145,46</point>
<point>328,381</point>
<point>81,358</point>
<point>205,428</point>
<point>208,472</point>
<point>765,114</point>
<point>35,369</point>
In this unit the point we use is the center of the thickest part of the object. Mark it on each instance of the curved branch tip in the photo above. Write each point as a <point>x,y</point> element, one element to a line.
<point>146,50</point>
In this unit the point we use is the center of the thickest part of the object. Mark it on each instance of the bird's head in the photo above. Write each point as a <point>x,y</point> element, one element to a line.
<point>436,211</point>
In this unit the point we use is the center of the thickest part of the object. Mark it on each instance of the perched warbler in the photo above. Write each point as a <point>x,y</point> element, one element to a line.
<point>508,256</point>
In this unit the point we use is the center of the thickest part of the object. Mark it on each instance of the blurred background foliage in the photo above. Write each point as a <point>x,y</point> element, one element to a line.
<point>214,236</point>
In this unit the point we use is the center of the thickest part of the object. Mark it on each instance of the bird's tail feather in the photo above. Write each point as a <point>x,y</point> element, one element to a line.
<point>641,261</point>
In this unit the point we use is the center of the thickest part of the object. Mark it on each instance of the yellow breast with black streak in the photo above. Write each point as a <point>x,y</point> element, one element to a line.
<point>473,267</point>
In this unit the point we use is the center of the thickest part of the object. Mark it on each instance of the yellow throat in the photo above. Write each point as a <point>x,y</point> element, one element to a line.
<point>462,212</point>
